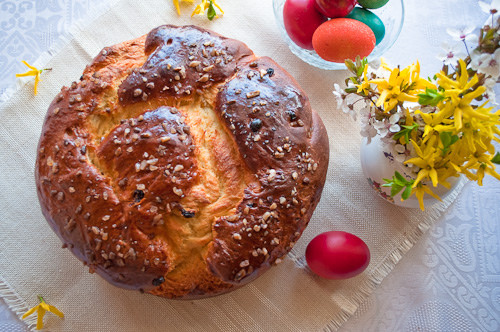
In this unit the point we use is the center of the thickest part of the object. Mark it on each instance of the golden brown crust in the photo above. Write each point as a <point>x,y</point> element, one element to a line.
<point>181,164</point>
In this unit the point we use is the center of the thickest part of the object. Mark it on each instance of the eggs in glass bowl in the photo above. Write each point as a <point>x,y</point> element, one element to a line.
<point>324,33</point>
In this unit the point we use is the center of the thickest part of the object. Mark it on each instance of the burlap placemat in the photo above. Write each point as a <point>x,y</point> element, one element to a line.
<point>289,297</point>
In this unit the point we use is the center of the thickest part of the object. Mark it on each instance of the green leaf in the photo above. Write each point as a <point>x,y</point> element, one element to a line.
<point>358,61</point>
<point>405,132</point>
<point>364,62</point>
<point>396,189</point>
<point>399,177</point>
<point>406,194</point>
<point>496,158</point>
<point>398,135</point>
<point>351,66</point>
<point>431,97</point>
<point>489,34</point>
<point>211,11</point>
<point>388,184</point>
<point>447,139</point>
<point>398,183</point>
<point>350,90</point>
<point>359,71</point>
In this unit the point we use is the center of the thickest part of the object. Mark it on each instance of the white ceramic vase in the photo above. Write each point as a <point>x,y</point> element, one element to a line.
<point>380,160</point>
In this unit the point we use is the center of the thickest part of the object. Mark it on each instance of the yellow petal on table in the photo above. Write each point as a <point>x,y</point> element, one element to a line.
<point>28,73</point>
<point>198,9</point>
<point>29,66</point>
<point>218,7</point>
<point>41,309</point>
<point>33,72</point>
<point>56,311</point>
<point>39,322</point>
<point>29,312</point>
<point>37,79</point>
<point>176,4</point>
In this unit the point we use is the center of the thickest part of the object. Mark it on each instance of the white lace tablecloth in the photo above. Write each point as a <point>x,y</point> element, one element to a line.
<point>450,281</point>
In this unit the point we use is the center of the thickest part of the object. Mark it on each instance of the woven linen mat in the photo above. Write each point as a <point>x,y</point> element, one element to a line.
<point>287,298</point>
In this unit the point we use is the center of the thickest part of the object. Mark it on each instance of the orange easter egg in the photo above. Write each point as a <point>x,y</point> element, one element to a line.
<point>343,38</point>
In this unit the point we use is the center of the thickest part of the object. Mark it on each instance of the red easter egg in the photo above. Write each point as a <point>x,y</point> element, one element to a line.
<point>343,38</point>
<point>337,255</point>
<point>335,8</point>
<point>301,20</point>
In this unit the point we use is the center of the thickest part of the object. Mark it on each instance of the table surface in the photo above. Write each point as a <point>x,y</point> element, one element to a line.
<point>449,281</point>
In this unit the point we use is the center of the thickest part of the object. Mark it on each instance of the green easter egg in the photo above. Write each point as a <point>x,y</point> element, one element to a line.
<point>372,4</point>
<point>370,19</point>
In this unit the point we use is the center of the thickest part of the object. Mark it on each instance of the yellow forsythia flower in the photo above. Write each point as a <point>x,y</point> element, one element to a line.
<point>33,72</point>
<point>365,84</point>
<point>41,309</point>
<point>176,4</point>
<point>450,133</point>
<point>427,157</point>
<point>458,97</point>
<point>404,85</point>
<point>419,192</point>
<point>207,5</point>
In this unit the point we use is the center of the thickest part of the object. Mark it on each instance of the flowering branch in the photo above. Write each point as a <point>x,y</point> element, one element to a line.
<point>440,127</point>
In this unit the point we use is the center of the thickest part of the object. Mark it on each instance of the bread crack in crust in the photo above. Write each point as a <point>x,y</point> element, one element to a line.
<point>181,164</point>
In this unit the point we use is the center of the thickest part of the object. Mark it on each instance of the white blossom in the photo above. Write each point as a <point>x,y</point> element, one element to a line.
<point>345,101</point>
<point>394,128</point>
<point>381,127</point>
<point>451,53</point>
<point>366,119</point>
<point>463,33</point>
<point>400,157</point>
<point>366,111</point>
<point>368,132</point>
<point>489,84</point>
<point>488,64</point>
<point>338,93</point>
<point>491,8</point>
<point>394,118</point>
<point>399,148</point>
<point>393,122</point>
<point>348,104</point>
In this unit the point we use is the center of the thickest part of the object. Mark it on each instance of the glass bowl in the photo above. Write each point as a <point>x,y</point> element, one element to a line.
<point>392,14</point>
